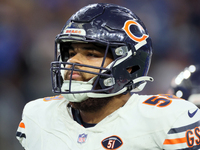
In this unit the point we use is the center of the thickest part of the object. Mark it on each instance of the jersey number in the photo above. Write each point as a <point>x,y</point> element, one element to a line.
<point>111,144</point>
<point>158,101</point>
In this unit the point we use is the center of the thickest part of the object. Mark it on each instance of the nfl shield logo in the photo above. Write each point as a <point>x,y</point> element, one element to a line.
<point>82,138</point>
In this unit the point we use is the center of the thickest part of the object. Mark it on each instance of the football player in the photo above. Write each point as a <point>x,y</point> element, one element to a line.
<point>103,54</point>
<point>186,84</point>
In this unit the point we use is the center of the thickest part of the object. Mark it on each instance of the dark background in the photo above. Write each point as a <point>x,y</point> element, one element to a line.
<point>28,29</point>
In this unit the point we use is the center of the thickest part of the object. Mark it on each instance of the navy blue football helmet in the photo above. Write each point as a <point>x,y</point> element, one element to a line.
<point>122,33</point>
<point>187,84</point>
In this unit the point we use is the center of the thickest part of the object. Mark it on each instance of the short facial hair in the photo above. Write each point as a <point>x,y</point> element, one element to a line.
<point>68,73</point>
<point>91,104</point>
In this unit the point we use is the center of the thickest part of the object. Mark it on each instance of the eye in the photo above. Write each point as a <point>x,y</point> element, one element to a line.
<point>94,53</point>
<point>91,55</point>
<point>71,54</point>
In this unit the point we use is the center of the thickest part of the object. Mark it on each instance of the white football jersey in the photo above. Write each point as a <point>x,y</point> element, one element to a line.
<point>153,122</point>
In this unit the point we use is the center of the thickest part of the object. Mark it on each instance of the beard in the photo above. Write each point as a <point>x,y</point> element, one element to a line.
<point>91,104</point>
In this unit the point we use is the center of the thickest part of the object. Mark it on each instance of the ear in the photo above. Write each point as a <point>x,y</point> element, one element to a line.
<point>129,69</point>
<point>132,69</point>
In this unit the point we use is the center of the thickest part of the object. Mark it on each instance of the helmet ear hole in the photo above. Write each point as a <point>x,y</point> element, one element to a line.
<point>133,69</point>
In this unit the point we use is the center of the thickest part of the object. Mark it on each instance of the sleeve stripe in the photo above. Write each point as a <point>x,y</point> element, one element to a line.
<point>185,128</point>
<point>175,141</point>
<point>22,125</point>
<point>179,141</point>
<point>21,135</point>
<point>191,148</point>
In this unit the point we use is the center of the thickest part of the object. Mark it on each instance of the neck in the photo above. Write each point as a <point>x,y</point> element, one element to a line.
<point>110,107</point>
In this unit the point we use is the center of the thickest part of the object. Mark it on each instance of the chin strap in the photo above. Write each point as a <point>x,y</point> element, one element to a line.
<point>75,87</point>
<point>86,86</point>
<point>141,86</point>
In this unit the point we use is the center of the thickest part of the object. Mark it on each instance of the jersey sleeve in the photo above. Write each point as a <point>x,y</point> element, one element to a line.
<point>21,134</point>
<point>37,118</point>
<point>29,131</point>
<point>185,131</point>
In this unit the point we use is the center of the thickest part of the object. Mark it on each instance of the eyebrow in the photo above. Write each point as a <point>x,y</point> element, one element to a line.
<point>93,48</point>
<point>90,47</point>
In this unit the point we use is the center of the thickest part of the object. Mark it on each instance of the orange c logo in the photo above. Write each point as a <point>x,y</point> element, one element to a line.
<point>126,28</point>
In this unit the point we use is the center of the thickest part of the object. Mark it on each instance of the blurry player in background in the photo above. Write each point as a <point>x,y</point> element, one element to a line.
<point>101,55</point>
<point>187,84</point>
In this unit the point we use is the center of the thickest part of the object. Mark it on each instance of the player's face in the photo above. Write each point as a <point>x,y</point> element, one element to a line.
<point>87,54</point>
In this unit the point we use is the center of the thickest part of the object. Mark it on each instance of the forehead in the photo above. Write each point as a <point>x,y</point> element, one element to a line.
<point>81,44</point>
<point>88,46</point>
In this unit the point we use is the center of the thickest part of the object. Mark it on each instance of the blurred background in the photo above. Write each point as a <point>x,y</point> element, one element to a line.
<point>28,29</point>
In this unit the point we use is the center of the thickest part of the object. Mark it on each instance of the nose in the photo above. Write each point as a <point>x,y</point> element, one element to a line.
<point>77,58</point>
